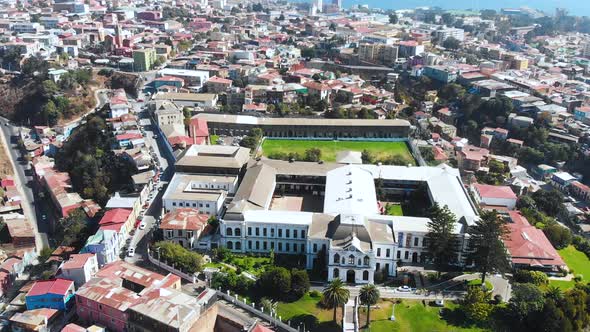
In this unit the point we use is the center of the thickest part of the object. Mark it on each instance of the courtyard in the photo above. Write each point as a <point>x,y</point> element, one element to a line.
<point>381,151</point>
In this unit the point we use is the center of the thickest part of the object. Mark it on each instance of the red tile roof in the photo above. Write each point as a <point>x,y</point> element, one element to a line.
<point>184,218</point>
<point>261,328</point>
<point>73,328</point>
<point>115,216</point>
<point>128,136</point>
<point>56,286</point>
<point>488,191</point>
<point>528,245</point>
<point>77,261</point>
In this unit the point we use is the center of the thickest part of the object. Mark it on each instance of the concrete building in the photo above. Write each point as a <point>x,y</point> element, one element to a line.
<point>143,60</point>
<point>203,192</point>
<point>213,159</point>
<point>236,125</point>
<point>267,213</point>
<point>52,294</point>
<point>189,99</point>
<point>494,197</point>
<point>443,34</point>
<point>184,226</point>
<point>80,268</point>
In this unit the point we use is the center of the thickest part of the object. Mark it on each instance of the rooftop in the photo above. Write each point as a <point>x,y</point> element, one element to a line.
<point>56,286</point>
<point>185,219</point>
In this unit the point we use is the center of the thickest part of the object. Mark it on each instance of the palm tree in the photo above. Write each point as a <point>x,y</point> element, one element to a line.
<point>335,295</point>
<point>554,293</point>
<point>369,295</point>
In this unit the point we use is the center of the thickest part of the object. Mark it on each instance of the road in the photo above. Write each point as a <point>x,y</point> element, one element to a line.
<point>33,212</point>
<point>141,238</point>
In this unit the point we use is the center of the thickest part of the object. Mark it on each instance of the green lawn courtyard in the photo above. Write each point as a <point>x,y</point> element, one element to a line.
<point>329,149</point>
<point>410,315</point>
<point>394,210</point>
<point>576,261</point>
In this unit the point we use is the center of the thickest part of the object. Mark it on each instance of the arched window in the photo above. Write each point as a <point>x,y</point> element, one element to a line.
<point>365,275</point>
<point>230,245</point>
<point>238,245</point>
<point>359,262</point>
<point>366,260</point>
<point>351,259</point>
<point>238,232</point>
<point>229,232</point>
<point>336,274</point>
<point>336,259</point>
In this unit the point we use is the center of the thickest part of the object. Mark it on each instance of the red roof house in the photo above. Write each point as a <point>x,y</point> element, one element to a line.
<point>528,246</point>
<point>198,131</point>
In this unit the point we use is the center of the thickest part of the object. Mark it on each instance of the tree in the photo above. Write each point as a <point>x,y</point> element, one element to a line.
<point>275,282</point>
<point>178,256</point>
<point>549,201</point>
<point>299,283</point>
<point>50,113</point>
<point>313,154</point>
<point>559,236</point>
<point>393,19</point>
<point>526,300</point>
<point>448,19</point>
<point>486,249</point>
<point>369,295</point>
<point>441,243</point>
<point>367,157</point>
<point>335,295</point>
<point>476,304</point>
<point>72,229</point>
<point>452,43</point>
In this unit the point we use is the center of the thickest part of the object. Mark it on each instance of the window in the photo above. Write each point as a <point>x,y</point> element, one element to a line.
<point>179,232</point>
<point>365,275</point>
<point>238,246</point>
<point>228,232</point>
<point>378,252</point>
<point>406,255</point>
<point>302,247</point>
<point>287,247</point>
<point>200,205</point>
<point>173,203</point>
<point>257,231</point>
<point>287,233</point>
<point>272,245</point>
<point>280,246</point>
<point>207,205</point>
<point>387,253</point>
<point>295,233</point>
<point>399,254</point>
<point>264,245</point>
<point>257,245</point>
<point>351,259</point>
<point>180,204</point>
<point>377,266</point>
<point>359,262</point>
<point>230,245</point>
<point>315,247</point>
<point>264,231</point>
<point>303,234</point>
<point>336,258</point>
<point>366,260</point>
<point>194,204</point>
<point>416,240</point>
<point>335,274</point>
<point>280,232</point>
<point>238,232</point>
<point>272,232</point>
<point>249,230</point>
<point>250,245</point>
<point>169,233</point>
<point>189,234</point>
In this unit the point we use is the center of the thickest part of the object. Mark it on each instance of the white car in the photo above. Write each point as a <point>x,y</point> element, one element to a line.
<point>131,252</point>
<point>404,289</point>
<point>142,225</point>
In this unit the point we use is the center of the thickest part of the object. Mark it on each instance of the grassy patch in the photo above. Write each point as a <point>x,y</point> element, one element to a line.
<point>576,261</point>
<point>305,309</point>
<point>477,282</point>
<point>410,316</point>
<point>394,210</point>
<point>381,150</point>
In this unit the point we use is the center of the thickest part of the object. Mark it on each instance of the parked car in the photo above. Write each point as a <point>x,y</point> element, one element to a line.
<point>131,252</point>
<point>404,289</point>
<point>142,225</point>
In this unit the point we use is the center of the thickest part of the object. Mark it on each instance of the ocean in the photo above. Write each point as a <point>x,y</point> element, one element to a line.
<point>575,7</point>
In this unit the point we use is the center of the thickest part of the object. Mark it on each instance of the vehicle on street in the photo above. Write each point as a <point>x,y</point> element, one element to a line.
<point>142,225</point>
<point>155,136</point>
<point>130,252</point>
<point>404,289</point>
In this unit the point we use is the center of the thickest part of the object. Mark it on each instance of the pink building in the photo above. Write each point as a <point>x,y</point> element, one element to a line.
<point>118,286</point>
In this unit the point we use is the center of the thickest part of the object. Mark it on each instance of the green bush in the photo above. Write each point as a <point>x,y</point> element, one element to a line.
<point>534,277</point>
<point>179,256</point>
